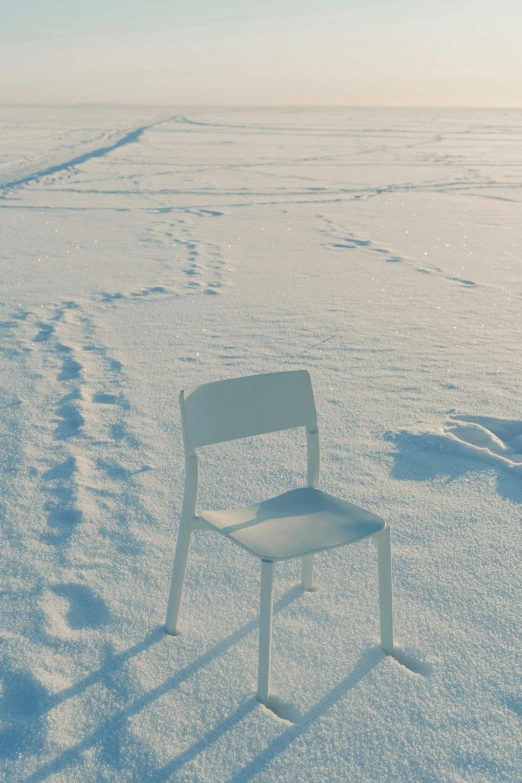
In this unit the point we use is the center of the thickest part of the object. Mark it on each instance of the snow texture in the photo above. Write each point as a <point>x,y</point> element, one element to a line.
<point>149,250</point>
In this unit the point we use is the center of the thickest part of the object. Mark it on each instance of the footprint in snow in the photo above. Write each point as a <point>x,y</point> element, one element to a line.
<point>514,703</point>
<point>22,702</point>
<point>70,370</point>
<point>46,330</point>
<point>156,289</point>
<point>462,281</point>
<point>105,399</point>
<point>107,297</point>
<point>63,515</point>
<point>65,470</point>
<point>70,419</point>
<point>86,609</point>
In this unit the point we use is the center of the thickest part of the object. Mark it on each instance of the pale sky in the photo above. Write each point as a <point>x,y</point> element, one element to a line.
<point>255,52</point>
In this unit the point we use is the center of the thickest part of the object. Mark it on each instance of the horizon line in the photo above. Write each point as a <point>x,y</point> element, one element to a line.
<point>78,104</point>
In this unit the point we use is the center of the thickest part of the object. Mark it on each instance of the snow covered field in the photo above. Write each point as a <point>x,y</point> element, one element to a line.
<point>148,250</point>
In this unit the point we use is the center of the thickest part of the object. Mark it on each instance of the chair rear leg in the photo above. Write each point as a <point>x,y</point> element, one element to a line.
<point>178,576</point>
<point>383,541</point>
<point>265,630</point>
<point>307,572</point>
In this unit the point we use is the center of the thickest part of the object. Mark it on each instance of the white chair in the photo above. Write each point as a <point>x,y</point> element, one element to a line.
<point>295,524</point>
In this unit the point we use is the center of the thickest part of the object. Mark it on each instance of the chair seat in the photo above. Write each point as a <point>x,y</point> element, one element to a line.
<point>296,523</point>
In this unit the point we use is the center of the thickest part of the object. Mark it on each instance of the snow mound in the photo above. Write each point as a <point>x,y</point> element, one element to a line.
<point>486,438</point>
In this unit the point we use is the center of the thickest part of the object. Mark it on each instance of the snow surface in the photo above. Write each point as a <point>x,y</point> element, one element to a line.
<point>148,250</point>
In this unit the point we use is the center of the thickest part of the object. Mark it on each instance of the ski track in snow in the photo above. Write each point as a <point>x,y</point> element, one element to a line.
<point>129,137</point>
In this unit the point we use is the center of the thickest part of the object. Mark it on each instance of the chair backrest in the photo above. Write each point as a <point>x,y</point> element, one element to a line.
<point>243,407</point>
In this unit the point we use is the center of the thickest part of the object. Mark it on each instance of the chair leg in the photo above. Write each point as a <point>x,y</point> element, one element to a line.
<point>178,576</point>
<point>307,572</point>
<point>383,541</point>
<point>265,630</point>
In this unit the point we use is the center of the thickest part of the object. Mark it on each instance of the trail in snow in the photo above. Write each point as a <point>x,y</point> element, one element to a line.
<point>130,137</point>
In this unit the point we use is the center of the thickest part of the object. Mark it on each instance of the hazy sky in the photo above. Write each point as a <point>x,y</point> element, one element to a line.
<point>262,52</point>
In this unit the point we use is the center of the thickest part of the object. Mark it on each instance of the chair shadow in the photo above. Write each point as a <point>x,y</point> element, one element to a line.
<point>174,765</point>
<point>117,721</point>
<point>368,660</point>
<point>112,664</point>
<point>297,502</point>
<point>417,459</point>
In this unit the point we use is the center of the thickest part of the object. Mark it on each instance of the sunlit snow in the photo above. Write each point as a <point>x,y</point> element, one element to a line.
<point>149,250</point>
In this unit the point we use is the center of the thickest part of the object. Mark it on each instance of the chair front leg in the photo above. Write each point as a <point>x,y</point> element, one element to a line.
<point>307,572</point>
<point>178,576</point>
<point>383,541</point>
<point>265,630</point>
